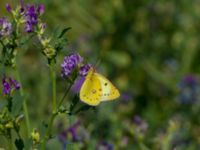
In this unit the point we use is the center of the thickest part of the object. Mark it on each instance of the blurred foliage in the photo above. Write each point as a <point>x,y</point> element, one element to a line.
<point>146,48</point>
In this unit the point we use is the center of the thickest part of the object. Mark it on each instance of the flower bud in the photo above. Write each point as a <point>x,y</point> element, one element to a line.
<point>49,52</point>
<point>19,119</point>
<point>9,125</point>
<point>35,136</point>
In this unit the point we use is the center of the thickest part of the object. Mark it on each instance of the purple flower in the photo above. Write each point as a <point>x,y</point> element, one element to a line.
<point>15,84</point>
<point>141,125</point>
<point>77,85</point>
<point>127,96</point>
<point>71,131</point>
<point>28,27</point>
<point>6,86</point>
<point>70,63</point>
<point>31,14</point>
<point>189,89</point>
<point>40,9</point>
<point>62,138</point>
<point>84,69</point>
<point>8,8</point>
<point>5,27</point>
<point>9,84</point>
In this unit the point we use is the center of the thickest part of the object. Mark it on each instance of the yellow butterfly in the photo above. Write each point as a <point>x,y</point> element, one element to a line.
<point>96,88</point>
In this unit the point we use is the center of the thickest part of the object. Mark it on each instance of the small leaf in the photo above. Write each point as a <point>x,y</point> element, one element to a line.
<point>19,144</point>
<point>74,102</point>
<point>17,103</point>
<point>84,107</point>
<point>3,104</point>
<point>63,32</point>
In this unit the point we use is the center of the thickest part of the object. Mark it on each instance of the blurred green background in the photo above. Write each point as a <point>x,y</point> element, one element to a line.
<point>148,49</point>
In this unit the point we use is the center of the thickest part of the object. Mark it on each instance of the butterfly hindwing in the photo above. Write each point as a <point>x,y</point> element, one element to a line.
<point>89,92</point>
<point>109,91</point>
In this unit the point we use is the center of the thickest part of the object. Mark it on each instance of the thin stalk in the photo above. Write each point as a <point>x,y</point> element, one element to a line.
<point>10,141</point>
<point>54,106</point>
<point>66,92</point>
<point>53,80</point>
<point>25,108</point>
<point>43,144</point>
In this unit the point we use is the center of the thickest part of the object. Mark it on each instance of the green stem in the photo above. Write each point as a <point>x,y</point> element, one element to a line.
<point>25,108</point>
<point>50,124</point>
<point>10,141</point>
<point>54,105</point>
<point>43,144</point>
<point>53,79</point>
<point>66,92</point>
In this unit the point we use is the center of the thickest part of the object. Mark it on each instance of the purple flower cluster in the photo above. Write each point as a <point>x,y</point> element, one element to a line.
<point>30,14</point>
<point>71,62</point>
<point>189,89</point>
<point>140,124</point>
<point>5,27</point>
<point>8,8</point>
<point>71,131</point>
<point>84,69</point>
<point>9,84</point>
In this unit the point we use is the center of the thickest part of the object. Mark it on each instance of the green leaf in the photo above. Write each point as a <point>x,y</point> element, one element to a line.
<point>84,107</point>
<point>17,103</point>
<point>63,32</point>
<point>19,144</point>
<point>74,103</point>
<point>3,104</point>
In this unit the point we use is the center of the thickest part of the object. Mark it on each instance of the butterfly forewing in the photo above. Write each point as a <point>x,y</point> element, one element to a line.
<point>90,93</point>
<point>109,91</point>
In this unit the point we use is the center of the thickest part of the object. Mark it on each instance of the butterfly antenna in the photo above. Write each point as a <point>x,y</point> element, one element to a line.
<point>97,62</point>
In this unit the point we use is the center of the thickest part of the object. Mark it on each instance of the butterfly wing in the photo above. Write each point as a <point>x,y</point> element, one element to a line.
<point>109,91</point>
<point>90,93</point>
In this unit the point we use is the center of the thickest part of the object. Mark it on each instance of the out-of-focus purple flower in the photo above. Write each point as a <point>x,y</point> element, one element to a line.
<point>127,96</point>
<point>189,89</point>
<point>9,84</point>
<point>63,139</point>
<point>70,63</point>
<point>8,7</point>
<point>5,27</point>
<point>137,120</point>
<point>141,125</point>
<point>77,85</point>
<point>190,80</point>
<point>71,131</point>
<point>104,145</point>
<point>84,69</point>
